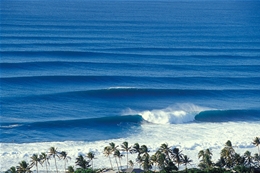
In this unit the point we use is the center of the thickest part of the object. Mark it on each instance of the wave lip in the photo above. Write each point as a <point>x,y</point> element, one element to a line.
<point>167,116</point>
<point>176,114</point>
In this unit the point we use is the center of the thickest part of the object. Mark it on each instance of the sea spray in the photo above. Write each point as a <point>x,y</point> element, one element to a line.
<point>174,114</point>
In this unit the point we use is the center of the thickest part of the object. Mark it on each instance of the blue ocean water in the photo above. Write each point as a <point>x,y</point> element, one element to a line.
<point>88,70</point>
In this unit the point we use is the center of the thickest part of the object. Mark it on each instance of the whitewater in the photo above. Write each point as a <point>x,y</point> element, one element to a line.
<point>78,75</point>
<point>189,138</point>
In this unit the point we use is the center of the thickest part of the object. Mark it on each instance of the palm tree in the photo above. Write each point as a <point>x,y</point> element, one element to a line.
<point>126,148</point>
<point>177,156</point>
<point>91,156</point>
<point>221,163</point>
<point>144,149</point>
<point>153,159</point>
<point>256,142</point>
<point>81,162</point>
<point>11,170</point>
<point>228,144</point>
<point>45,158</point>
<point>70,170</point>
<point>205,162</point>
<point>65,157</point>
<point>107,151</point>
<point>53,153</point>
<point>257,160</point>
<point>203,153</point>
<point>139,160</point>
<point>228,154</point>
<point>248,159</point>
<point>131,163</point>
<point>161,159</point>
<point>238,160</point>
<point>186,161</point>
<point>35,160</point>
<point>136,149</point>
<point>114,147</point>
<point>118,155</point>
<point>23,167</point>
<point>164,148</point>
<point>146,162</point>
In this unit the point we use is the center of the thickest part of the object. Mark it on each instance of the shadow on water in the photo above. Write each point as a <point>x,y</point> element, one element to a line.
<point>228,115</point>
<point>71,130</point>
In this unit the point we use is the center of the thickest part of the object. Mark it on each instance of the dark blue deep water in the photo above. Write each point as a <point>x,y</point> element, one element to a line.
<point>72,70</point>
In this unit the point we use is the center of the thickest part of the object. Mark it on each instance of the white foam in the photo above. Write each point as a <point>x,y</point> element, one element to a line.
<point>121,87</point>
<point>11,126</point>
<point>189,137</point>
<point>175,114</point>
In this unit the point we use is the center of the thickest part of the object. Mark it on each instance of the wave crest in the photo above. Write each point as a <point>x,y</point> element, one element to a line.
<point>176,114</point>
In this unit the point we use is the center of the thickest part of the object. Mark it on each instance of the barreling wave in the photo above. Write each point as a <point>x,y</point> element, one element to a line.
<point>176,114</point>
<point>228,115</point>
<point>185,113</point>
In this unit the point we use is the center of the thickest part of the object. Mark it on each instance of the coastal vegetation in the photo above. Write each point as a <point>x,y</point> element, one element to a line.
<point>165,160</point>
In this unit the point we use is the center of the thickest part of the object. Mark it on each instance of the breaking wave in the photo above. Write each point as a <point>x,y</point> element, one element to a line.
<point>177,114</point>
<point>184,113</point>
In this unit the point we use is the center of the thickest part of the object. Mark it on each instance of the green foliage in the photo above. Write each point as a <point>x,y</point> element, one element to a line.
<point>23,167</point>
<point>70,169</point>
<point>80,170</point>
<point>11,170</point>
<point>81,162</point>
<point>205,162</point>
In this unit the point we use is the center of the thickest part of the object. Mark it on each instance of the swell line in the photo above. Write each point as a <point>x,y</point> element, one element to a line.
<point>165,116</point>
<point>95,78</point>
<point>134,93</point>
<point>90,122</point>
<point>50,53</point>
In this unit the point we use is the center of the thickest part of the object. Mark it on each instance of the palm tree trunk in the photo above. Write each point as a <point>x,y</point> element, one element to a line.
<point>120,163</point>
<point>92,164</point>
<point>46,167</point>
<point>110,162</point>
<point>258,150</point>
<point>56,164</point>
<point>65,165</point>
<point>117,165</point>
<point>127,159</point>
<point>36,167</point>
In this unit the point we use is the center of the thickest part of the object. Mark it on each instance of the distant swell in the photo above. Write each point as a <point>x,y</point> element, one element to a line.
<point>96,78</point>
<point>141,93</point>
<point>47,53</point>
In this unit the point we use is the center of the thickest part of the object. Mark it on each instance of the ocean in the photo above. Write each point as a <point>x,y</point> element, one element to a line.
<point>79,74</point>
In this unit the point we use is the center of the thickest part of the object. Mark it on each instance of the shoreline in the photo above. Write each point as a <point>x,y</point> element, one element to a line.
<point>12,154</point>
